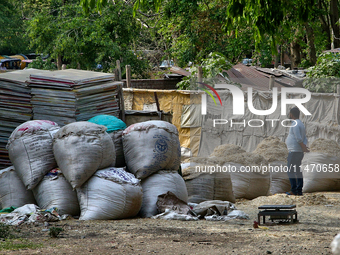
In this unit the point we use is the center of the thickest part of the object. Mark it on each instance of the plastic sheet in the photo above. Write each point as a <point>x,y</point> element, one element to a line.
<point>111,122</point>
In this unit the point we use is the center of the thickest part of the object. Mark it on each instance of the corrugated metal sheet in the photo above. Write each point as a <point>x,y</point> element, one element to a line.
<point>250,77</point>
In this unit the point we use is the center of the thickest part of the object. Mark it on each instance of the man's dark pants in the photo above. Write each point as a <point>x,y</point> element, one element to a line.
<point>294,171</point>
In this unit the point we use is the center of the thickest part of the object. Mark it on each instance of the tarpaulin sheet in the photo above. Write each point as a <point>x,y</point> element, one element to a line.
<point>171,101</point>
<point>322,123</point>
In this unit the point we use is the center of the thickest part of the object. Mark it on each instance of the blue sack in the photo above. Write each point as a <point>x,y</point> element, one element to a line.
<point>111,122</point>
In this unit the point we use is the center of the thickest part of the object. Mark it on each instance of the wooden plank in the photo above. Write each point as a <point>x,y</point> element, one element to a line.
<point>178,70</point>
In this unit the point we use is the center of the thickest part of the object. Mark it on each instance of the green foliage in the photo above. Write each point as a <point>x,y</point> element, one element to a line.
<point>264,55</point>
<point>64,30</point>
<point>325,75</point>
<point>195,29</point>
<point>39,63</point>
<point>96,5</point>
<point>12,30</point>
<point>54,232</point>
<point>214,64</point>
<point>18,244</point>
<point>267,16</point>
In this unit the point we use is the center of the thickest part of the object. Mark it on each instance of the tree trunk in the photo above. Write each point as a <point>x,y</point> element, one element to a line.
<point>59,62</point>
<point>334,17</point>
<point>277,57</point>
<point>295,53</point>
<point>295,49</point>
<point>325,23</point>
<point>311,45</point>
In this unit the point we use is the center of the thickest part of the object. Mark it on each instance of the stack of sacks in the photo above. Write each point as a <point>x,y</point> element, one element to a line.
<point>248,179</point>
<point>110,194</point>
<point>80,149</point>
<point>55,191</point>
<point>115,129</point>
<point>152,153</point>
<point>205,181</point>
<point>275,152</point>
<point>321,166</point>
<point>12,190</point>
<point>30,150</point>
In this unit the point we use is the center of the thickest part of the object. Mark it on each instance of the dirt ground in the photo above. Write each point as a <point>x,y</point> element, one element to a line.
<point>319,222</point>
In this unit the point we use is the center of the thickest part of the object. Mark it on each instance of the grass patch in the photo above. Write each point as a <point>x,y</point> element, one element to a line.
<point>54,232</point>
<point>18,244</point>
<point>5,231</point>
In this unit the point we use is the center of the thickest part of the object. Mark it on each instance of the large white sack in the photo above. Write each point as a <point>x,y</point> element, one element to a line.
<point>204,186</point>
<point>30,150</point>
<point>279,181</point>
<point>80,149</point>
<point>110,194</point>
<point>151,146</point>
<point>12,190</point>
<point>321,172</point>
<point>55,191</point>
<point>160,183</point>
<point>249,185</point>
<point>117,139</point>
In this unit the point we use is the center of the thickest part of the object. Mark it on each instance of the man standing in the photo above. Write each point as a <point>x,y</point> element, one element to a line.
<point>297,145</point>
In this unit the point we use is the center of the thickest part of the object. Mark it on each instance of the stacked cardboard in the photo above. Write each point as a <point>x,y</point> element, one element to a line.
<point>15,106</point>
<point>73,95</point>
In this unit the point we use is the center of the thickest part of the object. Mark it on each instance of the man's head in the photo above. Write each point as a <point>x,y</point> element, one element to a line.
<point>294,113</point>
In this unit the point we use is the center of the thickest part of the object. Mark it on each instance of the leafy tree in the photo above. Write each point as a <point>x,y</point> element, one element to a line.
<point>63,30</point>
<point>191,29</point>
<point>213,65</point>
<point>198,29</point>
<point>325,75</point>
<point>12,31</point>
<point>39,63</point>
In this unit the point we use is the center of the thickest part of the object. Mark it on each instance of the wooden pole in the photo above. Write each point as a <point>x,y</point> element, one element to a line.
<point>119,70</point>
<point>271,82</point>
<point>128,76</point>
<point>121,100</point>
<point>116,75</point>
